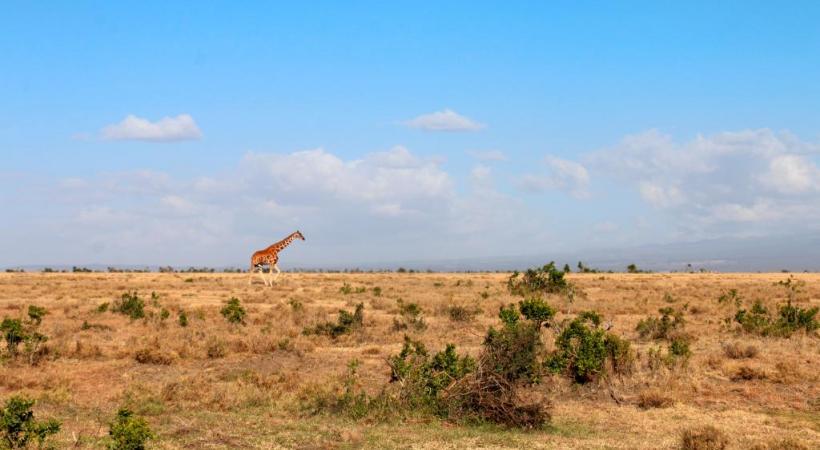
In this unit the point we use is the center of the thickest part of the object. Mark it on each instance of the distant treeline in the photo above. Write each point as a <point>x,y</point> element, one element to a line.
<point>581,268</point>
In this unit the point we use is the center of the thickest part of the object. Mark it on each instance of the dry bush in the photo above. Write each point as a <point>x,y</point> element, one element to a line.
<point>735,350</point>
<point>784,444</point>
<point>154,355</point>
<point>485,395</point>
<point>704,437</point>
<point>654,398</point>
<point>789,372</point>
<point>748,373</point>
<point>459,313</point>
<point>216,348</point>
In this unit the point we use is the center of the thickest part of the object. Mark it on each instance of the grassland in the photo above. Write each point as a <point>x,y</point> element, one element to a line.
<point>213,384</point>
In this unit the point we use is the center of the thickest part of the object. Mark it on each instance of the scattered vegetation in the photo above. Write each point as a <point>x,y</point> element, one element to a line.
<point>661,327</point>
<point>583,350</point>
<point>654,398</point>
<point>736,351</point>
<point>16,332</point>
<point>233,311</point>
<point>632,268</point>
<point>705,437</point>
<point>36,314</point>
<point>347,289</point>
<point>129,432</point>
<point>459,313</point>
<point>131,305</point>
<point>423,378</point>
<point>790,319</point>
<point>410,316</point>
<point>730,297</point>
<point>538,281</point>
<point>748,373</point>
<point>346,323</point>
<point>19,428</point>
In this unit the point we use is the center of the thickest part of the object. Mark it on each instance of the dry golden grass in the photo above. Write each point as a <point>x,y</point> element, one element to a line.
<point>216,385</point>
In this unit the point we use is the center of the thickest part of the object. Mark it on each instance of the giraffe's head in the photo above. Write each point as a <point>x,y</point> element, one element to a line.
<point>298,234</point>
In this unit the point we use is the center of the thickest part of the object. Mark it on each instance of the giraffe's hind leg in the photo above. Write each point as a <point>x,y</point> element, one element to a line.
<point>278,272</point>
<point>262,276</point>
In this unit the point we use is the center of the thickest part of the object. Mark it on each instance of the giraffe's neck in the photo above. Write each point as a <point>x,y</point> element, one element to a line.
<point>283,243</point>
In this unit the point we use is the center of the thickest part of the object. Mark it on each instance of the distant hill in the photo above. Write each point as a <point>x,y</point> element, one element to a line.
<point>771,254</point>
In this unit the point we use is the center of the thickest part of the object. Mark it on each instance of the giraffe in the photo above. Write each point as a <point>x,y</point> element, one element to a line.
<point>270,256</point>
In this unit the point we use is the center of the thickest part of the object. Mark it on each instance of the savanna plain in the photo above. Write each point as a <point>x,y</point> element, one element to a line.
<point>706,364</point>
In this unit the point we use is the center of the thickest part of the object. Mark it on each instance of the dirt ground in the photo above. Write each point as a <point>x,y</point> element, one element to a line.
<point>217,385</point>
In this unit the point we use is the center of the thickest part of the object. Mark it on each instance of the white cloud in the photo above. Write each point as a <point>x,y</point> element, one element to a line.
<point>167,129</point>
<point>660,196</point>
<point>446,120</point>
<point>487,155</point>
<point>561,174</point>
<point>388,205</point>
<point>605,227</point>
<point>791,174</point>
<point>750,176</point>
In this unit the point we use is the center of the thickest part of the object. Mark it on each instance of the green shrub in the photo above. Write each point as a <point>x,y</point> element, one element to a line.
<point>345,323</point>
<point>793,318</point>
<point>183,319</point>
<point>233,311</point>
<point>129,432</point>
<point>36,314</point>
<point>543,280</point>
<point>677,353</point>
<point>346,289</point>
<point>423,378</point>
<point>103,307</point>
<point>18,427</point>
<point>131,305</point>
<point>509,314</point>
<point>663,326</point>
<point>164,314</point>
<point>411,315</point>
<point>583,349</point>
<point>377,291</point>
<point>790,319</point>
<point>13,333</point>
<point>349,399</point>
<point>536,310</point>
<point>679,347</point>
<point>730,296</point>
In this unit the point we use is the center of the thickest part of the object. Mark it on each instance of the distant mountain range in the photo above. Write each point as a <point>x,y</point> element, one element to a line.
<point>771,254</point>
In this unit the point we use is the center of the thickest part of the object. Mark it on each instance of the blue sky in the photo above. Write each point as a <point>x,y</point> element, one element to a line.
<point>608,124</point>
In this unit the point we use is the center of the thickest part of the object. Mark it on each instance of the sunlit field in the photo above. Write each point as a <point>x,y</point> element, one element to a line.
<point>272,380</point>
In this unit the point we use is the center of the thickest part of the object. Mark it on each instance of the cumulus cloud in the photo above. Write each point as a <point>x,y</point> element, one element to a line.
<point>385,205</point>
<point>168,129</point>
<point>560,174</point>
<point>446,120</point>
<point>487,155</point>
<point>748,176</point>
